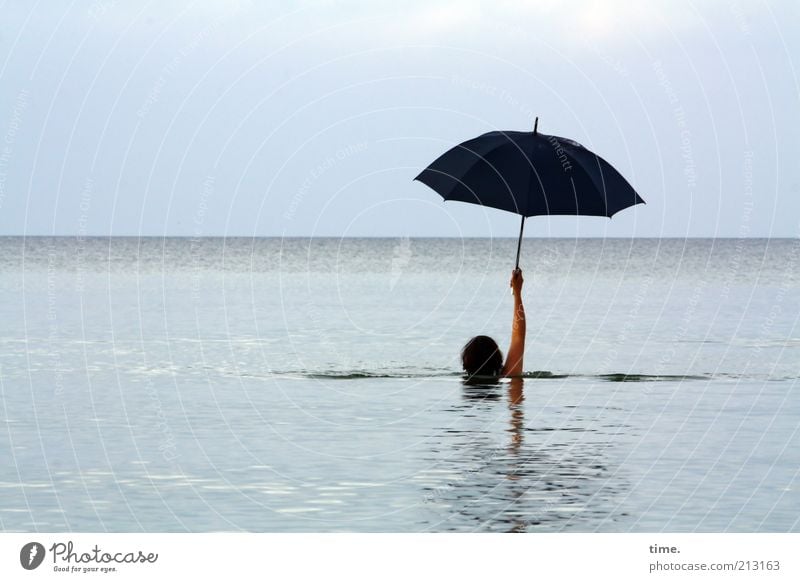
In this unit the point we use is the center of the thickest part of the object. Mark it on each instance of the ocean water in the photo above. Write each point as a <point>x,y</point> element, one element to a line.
<point>313,385</point>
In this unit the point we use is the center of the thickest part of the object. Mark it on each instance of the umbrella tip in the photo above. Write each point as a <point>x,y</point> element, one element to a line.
<point>536,126</point>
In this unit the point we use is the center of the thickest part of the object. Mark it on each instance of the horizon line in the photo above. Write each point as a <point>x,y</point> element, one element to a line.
<point>379,237</point>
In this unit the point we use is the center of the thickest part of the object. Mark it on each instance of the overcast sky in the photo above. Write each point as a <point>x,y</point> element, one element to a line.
<point>297,118</point>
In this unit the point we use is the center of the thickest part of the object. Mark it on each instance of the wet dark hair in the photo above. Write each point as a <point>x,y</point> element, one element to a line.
<point>482,357</point>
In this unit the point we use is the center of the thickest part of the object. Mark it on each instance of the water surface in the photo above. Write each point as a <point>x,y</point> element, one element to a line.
<point>313,385</point>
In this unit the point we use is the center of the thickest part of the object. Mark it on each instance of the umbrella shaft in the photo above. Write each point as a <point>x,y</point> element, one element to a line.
<point>519,243</point>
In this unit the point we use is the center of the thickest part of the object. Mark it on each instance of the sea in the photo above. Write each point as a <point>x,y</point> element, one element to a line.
<point>314,385</point>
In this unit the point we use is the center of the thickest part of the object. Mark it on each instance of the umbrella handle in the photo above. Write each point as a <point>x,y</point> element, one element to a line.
<point>519,243</point>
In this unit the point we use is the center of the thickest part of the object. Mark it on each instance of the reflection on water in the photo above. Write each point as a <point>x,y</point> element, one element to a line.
<point>539,478</point>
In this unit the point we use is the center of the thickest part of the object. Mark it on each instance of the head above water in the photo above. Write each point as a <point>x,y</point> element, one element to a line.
<point>482,357</point>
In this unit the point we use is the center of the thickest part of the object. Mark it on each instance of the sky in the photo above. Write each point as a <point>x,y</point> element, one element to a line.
<point>199,118</point>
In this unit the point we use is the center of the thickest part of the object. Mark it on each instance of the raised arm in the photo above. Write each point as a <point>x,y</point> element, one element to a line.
<point>516,351</point>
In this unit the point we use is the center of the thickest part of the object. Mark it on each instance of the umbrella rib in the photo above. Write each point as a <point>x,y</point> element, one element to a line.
<point>601,187</point>
<point>464,184</point>
<point>496,171</point>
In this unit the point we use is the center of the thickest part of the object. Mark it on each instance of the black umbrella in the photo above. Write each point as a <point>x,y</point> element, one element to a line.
<point>529,173</point>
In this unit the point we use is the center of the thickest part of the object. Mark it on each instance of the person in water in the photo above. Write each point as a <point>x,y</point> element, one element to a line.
<point>482,357</point>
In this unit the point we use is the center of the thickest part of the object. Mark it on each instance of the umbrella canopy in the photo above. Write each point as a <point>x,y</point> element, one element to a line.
<point>530,173</point>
